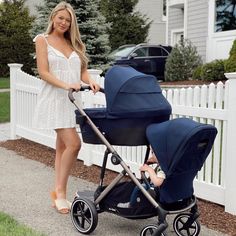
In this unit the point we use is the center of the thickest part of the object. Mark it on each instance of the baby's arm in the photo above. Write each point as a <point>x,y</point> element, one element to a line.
<point>157,181</point>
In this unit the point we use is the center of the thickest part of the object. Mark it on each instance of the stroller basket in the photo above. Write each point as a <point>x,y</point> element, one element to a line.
<point>134,100</point>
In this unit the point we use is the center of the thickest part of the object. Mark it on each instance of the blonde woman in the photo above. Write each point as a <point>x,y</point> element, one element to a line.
<point>62,65</point>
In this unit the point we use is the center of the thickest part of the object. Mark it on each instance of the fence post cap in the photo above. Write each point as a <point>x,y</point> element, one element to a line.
<point>15,65</point>
<point>95,71</point>
<point>231,75</point>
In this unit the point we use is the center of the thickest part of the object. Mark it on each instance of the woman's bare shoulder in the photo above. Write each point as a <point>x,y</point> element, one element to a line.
<point>40,39</point>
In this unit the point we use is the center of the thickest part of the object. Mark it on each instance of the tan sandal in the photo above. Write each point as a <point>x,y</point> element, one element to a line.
<point>62,206</point>
<point>53,195</point>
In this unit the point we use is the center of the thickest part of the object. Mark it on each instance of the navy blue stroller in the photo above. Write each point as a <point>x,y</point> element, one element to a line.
<point>138,114</point>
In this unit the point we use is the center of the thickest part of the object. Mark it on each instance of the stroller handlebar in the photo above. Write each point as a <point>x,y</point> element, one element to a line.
<point>83,88</point>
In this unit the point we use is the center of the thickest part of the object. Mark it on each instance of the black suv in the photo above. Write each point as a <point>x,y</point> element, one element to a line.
<point>149,59</point>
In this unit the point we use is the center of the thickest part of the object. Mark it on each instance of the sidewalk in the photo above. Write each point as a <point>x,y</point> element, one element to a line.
<point>25,186</point>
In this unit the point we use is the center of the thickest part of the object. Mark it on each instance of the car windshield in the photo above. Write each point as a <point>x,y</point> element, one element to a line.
<point>124,52</point>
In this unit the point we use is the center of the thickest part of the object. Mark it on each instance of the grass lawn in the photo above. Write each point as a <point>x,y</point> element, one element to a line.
<point>4,107</point>
<point>4,83</point>
<point>10,227</point>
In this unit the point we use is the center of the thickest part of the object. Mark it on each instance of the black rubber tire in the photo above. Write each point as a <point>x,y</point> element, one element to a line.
<point>179,222</point>
<point>148,230</point>
<point>84,215</point>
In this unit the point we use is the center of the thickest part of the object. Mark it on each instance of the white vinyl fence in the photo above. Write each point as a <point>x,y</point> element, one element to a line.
<point>213,104</point>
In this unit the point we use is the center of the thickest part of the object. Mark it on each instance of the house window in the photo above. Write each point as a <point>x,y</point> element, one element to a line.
<point>225,15</point>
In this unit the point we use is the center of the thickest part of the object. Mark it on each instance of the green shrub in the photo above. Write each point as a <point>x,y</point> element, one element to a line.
<point>230,64</point>
<point>182,62</point>
<point>197,73</point>
<point>233,49</point>
<point>213,71</point>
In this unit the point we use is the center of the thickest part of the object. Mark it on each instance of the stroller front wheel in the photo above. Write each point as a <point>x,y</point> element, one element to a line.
<point>149,230</point>
<point>84,215</point>
<point>184,226</point>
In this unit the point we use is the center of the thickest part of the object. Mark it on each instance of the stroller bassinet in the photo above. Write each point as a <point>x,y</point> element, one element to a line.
<point>134,100</point>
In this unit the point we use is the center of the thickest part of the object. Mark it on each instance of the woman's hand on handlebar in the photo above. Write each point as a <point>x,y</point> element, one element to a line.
<point>75,86</point>
<point>94,86</point>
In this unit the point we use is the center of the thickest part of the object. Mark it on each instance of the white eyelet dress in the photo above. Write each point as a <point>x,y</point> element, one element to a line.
<point>54,109</point>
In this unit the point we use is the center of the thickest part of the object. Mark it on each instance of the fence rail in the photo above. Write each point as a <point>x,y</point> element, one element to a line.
<point>214,104</point>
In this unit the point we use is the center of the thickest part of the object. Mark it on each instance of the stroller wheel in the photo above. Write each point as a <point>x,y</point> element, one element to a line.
<point>184,227</point>
<point>84,215</point>
<point>149,230</point>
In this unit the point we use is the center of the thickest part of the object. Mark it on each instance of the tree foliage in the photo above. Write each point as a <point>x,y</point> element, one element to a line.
<point>127,26</point>
<point>16,44</point>
<point>92,25</point>
<point>182,62</point>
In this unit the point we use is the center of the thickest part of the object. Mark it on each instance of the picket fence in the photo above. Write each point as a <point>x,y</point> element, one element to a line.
<point>212,104</point>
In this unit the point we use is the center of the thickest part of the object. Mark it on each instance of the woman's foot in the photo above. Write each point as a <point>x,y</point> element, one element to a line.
<point>62,205</point>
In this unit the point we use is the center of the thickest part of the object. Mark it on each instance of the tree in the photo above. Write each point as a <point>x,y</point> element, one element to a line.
<point>127,26</point>
<point>16,45</point>
<point>182,62</point>
<point>92,25</point>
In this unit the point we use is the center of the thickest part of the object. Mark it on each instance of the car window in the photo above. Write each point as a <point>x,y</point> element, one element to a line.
<point>141,52</point>
<point>155,51</point>
<point>124,52</point>
<point>164,52</point>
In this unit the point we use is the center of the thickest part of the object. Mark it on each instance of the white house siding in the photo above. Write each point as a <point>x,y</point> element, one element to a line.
<point>175,21</point>
<point>153,9</point>
<point>197,25</point>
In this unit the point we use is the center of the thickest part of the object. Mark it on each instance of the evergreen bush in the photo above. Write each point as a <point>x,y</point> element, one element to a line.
<point>16,43</point>
<point>197,73</point>
<point>127,25</point>
<point>213,71</point>
<point>182,62</point>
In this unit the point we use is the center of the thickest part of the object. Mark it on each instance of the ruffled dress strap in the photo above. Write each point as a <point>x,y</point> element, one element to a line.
<point>41,35</point>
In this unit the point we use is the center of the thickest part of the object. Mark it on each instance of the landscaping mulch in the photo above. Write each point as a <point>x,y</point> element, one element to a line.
<point>212,215</point>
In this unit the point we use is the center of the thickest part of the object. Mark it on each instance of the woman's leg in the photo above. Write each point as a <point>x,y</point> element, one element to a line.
<point>67,147</point>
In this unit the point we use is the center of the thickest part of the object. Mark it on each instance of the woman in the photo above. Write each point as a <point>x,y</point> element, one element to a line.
<point>62,65</point>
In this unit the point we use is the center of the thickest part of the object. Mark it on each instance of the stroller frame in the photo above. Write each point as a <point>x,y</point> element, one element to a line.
<point>101,192</point>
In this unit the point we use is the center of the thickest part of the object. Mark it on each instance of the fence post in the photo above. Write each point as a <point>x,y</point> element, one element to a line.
<point>230,174</point>
<point>14,67</point>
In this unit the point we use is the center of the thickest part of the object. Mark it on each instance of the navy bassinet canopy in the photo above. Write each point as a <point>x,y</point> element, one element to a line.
<point>134,101</point>
<point>130,93</point>
<point>181,146</point>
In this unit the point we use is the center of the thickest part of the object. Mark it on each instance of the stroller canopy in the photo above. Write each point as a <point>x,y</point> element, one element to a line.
<point>181,144</point>
<point>130,93</point>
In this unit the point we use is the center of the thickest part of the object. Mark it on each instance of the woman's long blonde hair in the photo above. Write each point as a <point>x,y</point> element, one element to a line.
<point>73,34</point>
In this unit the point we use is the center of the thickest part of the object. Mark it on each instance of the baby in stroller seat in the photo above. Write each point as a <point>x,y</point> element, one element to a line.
<point>156,175</point>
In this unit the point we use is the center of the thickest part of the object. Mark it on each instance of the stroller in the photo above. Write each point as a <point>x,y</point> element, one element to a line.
<point>138,114</point>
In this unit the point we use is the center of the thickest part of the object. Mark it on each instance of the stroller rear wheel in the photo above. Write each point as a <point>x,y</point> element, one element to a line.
<point>84,215</point>
<point>149,230</point>
<point>184,226</point>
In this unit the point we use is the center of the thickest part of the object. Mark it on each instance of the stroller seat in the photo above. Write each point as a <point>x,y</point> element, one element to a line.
<point>134,101</point>
<point>181,146</point>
